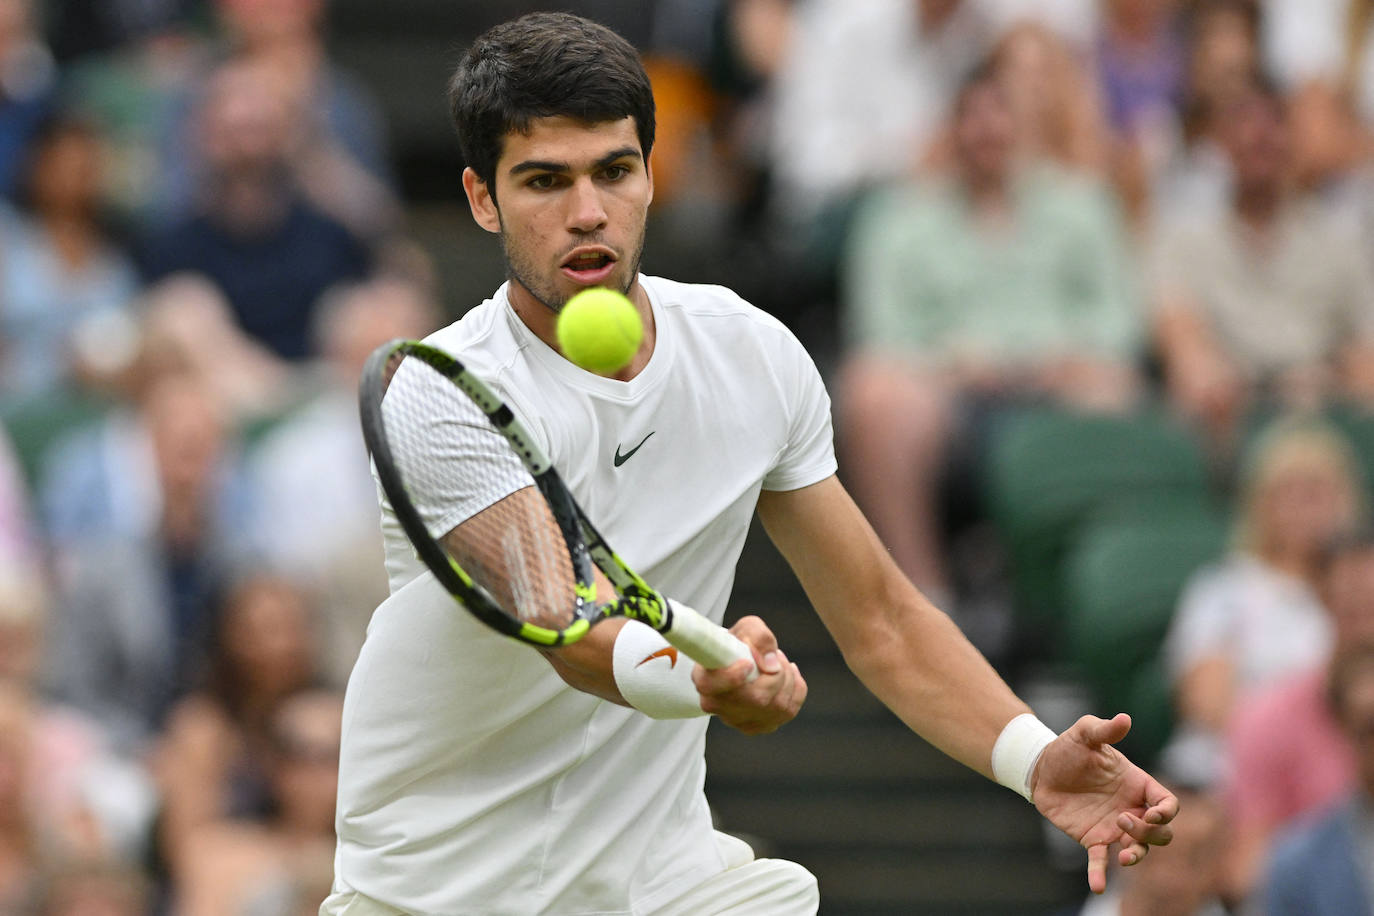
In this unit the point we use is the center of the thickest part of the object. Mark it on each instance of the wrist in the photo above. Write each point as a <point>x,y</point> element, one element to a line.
<point>1017,751</point>
<point>652,676</point>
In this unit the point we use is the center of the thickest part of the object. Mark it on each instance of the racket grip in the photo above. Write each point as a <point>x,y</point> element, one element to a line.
<point>703,641</point>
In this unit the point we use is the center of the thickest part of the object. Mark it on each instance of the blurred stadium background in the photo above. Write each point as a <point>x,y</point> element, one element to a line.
<point>1092,284</point>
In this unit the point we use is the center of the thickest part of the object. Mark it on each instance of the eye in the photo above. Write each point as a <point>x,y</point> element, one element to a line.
<point>545,182</point>
<point>615,172</point>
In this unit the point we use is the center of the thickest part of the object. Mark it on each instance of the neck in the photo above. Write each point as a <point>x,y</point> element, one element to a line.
<point>987,190</point>
<point>543,323</point>
<point>251,205</point>
<point>73,237</point>
<point>1296,563</point>
<point>1258,205</point>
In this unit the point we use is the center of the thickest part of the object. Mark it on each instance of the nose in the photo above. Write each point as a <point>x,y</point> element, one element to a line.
<point>585,210</point>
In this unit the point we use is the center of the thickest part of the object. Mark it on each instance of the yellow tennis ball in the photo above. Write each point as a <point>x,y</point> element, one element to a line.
<point>599,329</point>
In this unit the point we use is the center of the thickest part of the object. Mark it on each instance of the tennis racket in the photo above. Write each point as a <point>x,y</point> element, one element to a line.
<point>490,516</point>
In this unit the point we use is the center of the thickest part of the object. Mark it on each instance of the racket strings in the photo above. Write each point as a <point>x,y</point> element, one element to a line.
<point>477,500</point>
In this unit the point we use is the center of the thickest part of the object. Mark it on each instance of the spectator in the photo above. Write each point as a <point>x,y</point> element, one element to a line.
<point>1004,284</point>
<point>85,28</point>
<point>1053,98</point>
<point>65,286</point>
<point>1255,617</point>
<point>94,801</point>
<point>282,863</point>
<point>340,159</point>
<point>1286,754</point>
<point>316,501</point>
<point>19,540</point>
<point>83,888</point>
<point>189,327</point>
<point>1271,301</point>
<point>146,510</point>
<point>1140,65</point>
<point>254,233</point>
<point>861,91</point>
<point>134,90</point>
<point>1322,868</point>
<point>59,794</point>
<point>211,759</point>
<point>1222,54</point>
<point>1074,21</point>
<point>28,81</point>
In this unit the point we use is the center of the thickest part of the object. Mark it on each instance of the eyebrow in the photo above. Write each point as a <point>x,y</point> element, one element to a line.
<point>542,165</point>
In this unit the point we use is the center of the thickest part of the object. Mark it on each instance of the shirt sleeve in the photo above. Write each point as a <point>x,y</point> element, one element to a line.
<point>808,455</point>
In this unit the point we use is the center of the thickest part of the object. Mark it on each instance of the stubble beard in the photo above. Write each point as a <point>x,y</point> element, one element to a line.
<point>521,269</point>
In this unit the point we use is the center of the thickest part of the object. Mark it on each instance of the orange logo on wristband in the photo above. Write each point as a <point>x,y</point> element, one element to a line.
<point>667,652</point>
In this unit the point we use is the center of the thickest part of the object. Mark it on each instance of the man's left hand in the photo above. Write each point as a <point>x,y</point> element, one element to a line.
<point>1089,790</point>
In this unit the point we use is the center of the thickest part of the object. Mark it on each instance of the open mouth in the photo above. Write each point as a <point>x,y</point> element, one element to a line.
<point>590,266</point>
<point>588,261</point>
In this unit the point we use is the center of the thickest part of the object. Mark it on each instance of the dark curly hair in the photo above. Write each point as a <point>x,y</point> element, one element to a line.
<point>545,65</point>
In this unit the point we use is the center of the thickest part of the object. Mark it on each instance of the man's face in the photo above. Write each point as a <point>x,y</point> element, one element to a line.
<point>984,132</point>
<point>1255,134</point>
<point>571,202</point>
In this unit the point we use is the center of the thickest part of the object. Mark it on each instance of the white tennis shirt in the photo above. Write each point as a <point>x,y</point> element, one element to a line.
<point>472,780</point>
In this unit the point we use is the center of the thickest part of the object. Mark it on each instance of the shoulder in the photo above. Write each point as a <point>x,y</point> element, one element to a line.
<point>704,300</point>
<point>720,314</point>
<point>907,205</point>
<point>482,338</point>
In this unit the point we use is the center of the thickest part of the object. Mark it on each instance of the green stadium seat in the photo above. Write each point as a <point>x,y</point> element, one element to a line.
<point>1122,581</point>
<point>1358,427</point>
<point>36,423</point>
<point>1052,472</point>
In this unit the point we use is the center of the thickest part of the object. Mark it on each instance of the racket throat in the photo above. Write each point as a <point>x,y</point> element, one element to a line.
<point>651,609</point>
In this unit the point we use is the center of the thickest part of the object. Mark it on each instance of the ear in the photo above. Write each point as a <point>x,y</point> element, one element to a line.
<point>649,172</point>
<point>482,204</point>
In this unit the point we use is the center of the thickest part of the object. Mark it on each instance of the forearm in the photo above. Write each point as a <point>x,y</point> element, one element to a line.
<point>588,664</point>
<point>904,650</point>
<point>913,658</point>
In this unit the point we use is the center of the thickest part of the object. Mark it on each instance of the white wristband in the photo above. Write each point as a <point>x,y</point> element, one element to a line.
<point>1017,750</point>
<point>652,676</point>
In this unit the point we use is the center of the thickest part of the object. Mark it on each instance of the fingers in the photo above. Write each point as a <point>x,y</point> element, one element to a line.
<point>1163,804</point>
<point>1095,731</point>
<point>1097,868</point>
<point>1145,833</point>
<point>717,681</point>
<point>1132,853</point>
<point>754,633</point>
<point>752,707</point>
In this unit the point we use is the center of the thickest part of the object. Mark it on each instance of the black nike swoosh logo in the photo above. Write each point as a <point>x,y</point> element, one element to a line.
<point>621,459</point>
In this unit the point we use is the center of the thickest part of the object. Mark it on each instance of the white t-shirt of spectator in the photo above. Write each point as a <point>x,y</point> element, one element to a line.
<point>1268,623</point>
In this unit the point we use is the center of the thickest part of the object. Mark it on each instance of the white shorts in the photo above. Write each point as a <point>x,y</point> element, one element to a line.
<point>747,887</point>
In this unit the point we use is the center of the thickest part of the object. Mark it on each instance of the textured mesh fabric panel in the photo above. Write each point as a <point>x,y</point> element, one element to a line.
<point>475,496</point>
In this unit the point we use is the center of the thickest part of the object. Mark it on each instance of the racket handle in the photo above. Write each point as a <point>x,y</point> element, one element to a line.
<point>703,641</point>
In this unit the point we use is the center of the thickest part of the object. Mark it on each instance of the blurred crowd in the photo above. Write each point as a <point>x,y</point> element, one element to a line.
<point>1092,284</point>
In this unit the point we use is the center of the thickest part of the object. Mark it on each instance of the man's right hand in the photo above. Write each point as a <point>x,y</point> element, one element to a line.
<point>753,707</point>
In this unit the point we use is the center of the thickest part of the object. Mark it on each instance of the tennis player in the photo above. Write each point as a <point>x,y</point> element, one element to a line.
<point>479,776</point>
